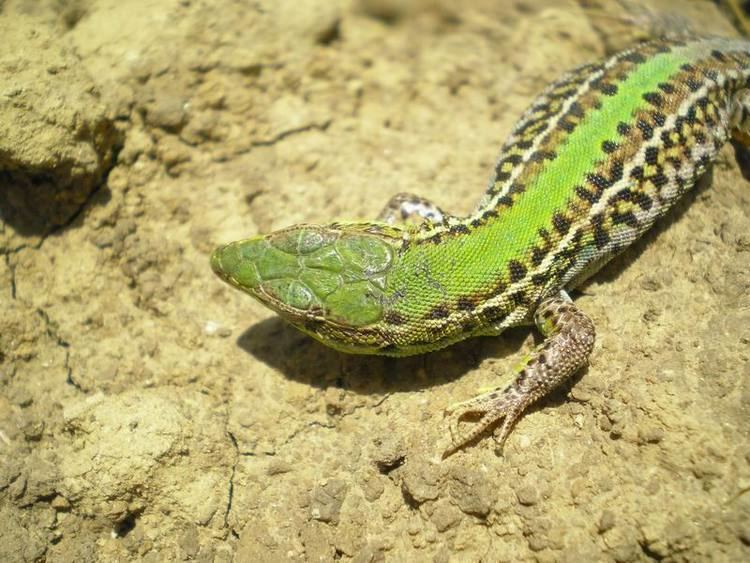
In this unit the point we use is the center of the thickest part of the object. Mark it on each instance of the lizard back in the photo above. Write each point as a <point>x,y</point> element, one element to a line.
<point>595,160</point>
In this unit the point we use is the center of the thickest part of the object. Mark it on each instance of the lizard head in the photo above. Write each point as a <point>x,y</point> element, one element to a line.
<point>328,281</point>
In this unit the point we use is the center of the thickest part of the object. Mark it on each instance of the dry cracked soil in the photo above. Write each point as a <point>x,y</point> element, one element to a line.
<point>149,412</point>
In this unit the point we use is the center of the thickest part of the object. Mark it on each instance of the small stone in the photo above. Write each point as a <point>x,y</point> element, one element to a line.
<point>190,542</point>
<point>58,136</point>
<point>537,543</point>
<point>278,467</point>
<point>388,453</point>
<point>17,487</point>
<point>318,546</point>
<point>654,539</point>
<point>203,126</point>
<point>606,522</point>
<point>42,478</point>
<point>23,398</point>
<point>527,495</point>
<point>137,142</point>
<point>556,538</point>
<point>582,395</point>
<point>213,328</point>
<point>472,491</point>
<point>171,152</point>
<point>445,517</point>
<point>326,500</point>
<point>373,487</point>
<point>60,503</point>
<point>166,112</point>
<point>371,552</point>
<point>623,542</point>
<point>524,441</point>
<point>33,430</point>
<point>9,472</point>
<point>420,483</point>
<point>652,435</point>
<point>116,511</point>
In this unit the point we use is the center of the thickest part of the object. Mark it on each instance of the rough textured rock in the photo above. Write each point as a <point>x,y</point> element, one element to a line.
<point>57,136</point>
<point>123,462</point>
<point>148,412</point>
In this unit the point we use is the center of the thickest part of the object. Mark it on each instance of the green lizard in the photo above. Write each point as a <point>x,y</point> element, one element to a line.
<point>597,158</point>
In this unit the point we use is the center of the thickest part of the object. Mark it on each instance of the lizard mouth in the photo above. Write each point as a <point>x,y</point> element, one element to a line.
<point>217,264</point>
<point>235,263</point>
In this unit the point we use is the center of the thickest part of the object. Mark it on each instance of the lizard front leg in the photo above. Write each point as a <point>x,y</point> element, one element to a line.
<point>569,340</point>
<point>410,208</point>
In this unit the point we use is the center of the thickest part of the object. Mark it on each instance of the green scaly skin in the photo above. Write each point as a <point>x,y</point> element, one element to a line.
<point>597,158</point>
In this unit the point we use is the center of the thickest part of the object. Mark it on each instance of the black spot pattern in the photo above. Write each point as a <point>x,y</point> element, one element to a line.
<point>394,318</point>
<point>719,56</point>
<point>666,87</point>
<point>693,84</point>
<point>439,312</point>
<point>646,130</point>
<point>516,270</point>
<point>653,98</point>
<point>537,255</point>
<point>561,223</point>
<point>567,126</point>
<point>642,200</point>
<point>609,89</point>
<point>501,176</point>
<point>599,181</point>
<point>626,217</point>
<point>465,304</point>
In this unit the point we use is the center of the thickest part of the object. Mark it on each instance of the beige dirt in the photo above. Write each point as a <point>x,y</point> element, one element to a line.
<point>150,412</point>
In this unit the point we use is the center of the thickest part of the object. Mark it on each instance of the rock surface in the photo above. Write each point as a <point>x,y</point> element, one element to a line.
<point>147,411</point>
<point>57,136</point>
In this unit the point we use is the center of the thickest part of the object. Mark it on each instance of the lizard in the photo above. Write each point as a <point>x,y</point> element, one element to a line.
<point>596,159</point>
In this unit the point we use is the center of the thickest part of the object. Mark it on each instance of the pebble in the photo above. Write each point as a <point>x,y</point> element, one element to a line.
<point>527,495</point>
<point>213,328</point>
